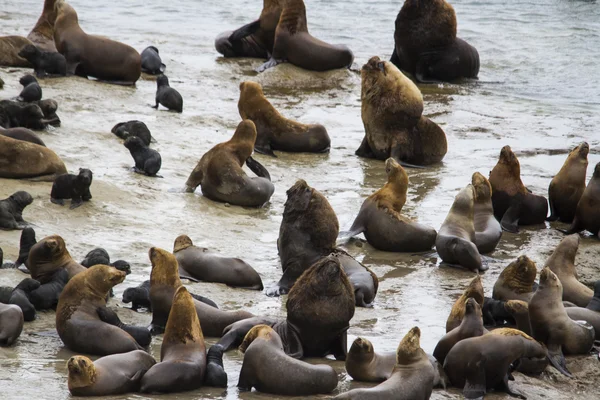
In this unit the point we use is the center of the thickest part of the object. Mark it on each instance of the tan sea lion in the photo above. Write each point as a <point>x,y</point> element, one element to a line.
<point>50,255</point>
<point>219,172</point>
<point>365,365</point>
<point>274,131</point>
<point>381,220</point>
<point>516,281</point>
<point>108,375</point>
<point>567,187</point>
<point>487,228</point>
<point>22,160</point>
<point>474,290</point>
<point>10,46</point>
<point>42,34</point>
<point>182,354</point>
<point>587,216</point>
<point>11,323</point>
<point>391,110</point>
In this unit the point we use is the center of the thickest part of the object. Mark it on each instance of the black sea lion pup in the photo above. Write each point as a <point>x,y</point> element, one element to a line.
<point>474,290</point>
<point>11,324</point>
<point>50,255</point>
<point>167,96</point>
<point>49,107</point>
<point>100,256</point>
<point>587,215</point>
<point>11,210</point>
<point>31,89</point>
<point>74,187</point>
<point>15,114</point>
<point>140,334</point>
<point>151,62</point>
<point>133,128</point>
<point>139,297</point>
<point>516,281</point>
<point>22,134</point>
<point>44,63</point>
<point>487,228</point>
<point>495,312</point>
<point>19,296</point>
<point>46,296</point>
<point>147,160</point>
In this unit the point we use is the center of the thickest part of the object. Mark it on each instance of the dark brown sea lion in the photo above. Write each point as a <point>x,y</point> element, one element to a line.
<point>474,290</point>
<point>10,46</point>
<point>391,109</point>
<point>204,265</point>
<point>567,187</point>
<point>20,160</point>
<point>513,204</point>
<point>91,55</point>
<point>274,131</point>
<point>11,211</point>
<point>587,216</point>
<point>219,172</point>
<point>11,324</point>
<point>183,352</point>
<point>516,281</point>
<point>381,220</point>
<point>294,44</point>
<point>50,255</point>
<point>487,228</point>
<point>22,134</point>
<point>108,375</point>
<point>42,34</point>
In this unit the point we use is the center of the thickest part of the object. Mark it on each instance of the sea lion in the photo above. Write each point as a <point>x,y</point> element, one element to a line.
<point>391,110</point>
<point>100,256</point>
<point>10,46</point>
<point>141,335</point>
<point>562,263</point>
<point>167,96</point>
<point>31,89</point>
<point>551,325</point>
<point>474,290</point>
<point>133,128</point>
<point>594,303</point>
<point>20,160</point>
<point>365,365</point>
<point>487,228</point>
<point>49,107</point>
<point>15,114</point>
<point>219,172</point>
<point>139,297</point>
<point>205,266</point>
<point>513,204</point>
<point>364,281</point>
<point>183,352</point>
<point>109,375</point>
<point>294,44</point>
<point>42,34</point>
<point>11,325</point>
<point>151,62</point>
<point>495,312</point>
<point>77,321</point>
<point>25,244</point>
<point>46,296</point>
<point>44,63</point>
<point>267,368</point>
<point>587,215</point>
<point>380,217</point>
<point>11,210</point>
<point>567,187</point>
<point>147,160</point>
<point>19,296</point>
<point>91,55</point>
<point>587,315</point>
<point>50,255</point>
<point>516,281</point>
<point>455,242</point>
<point>23,134</point>
<point>74,187</point>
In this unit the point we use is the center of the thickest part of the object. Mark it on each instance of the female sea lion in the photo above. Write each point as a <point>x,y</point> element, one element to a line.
<point>294,44</point>
<point>205,266</point>
<point>22,134</point>
<point>74,187</point>
<point>147,160</point>
<point>151,62</point>
<point>567,187</point>
<point>139,297</point>
<point>133,128</point>
<point>11,324</point>
<point>167,96</point>
<point>381,220</point>
<point>183,352</point>
<point>92,55</point>
<point>513,204</point>
<point>587,215</point>
<point>487,228</point>
<point>20,160</point>
<point>516,281</point>
<point>42,34</point>
<point>474,290</point>
<point>109,375</point>
<point>31,89</point>
<point>50,255</point>
<point>273,130</point>
<point>455,242</point>
<point>364,365</point>
<point>391,110</point>
<point>11,210</point>
<point>219,172</point>
<point>267,368</point>
<point>10,46</point>
<point>44,63</point>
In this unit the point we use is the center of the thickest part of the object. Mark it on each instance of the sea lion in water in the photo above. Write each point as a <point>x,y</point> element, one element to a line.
<point>516,281</point>
<point>587,215</point>
<point>11,324</point>
<point>42,34</point>
<point>44,63</point>
<point>219,172</point>
<point>274,131</point>
<point>267,368</point>
<point>380,217</point>
<point>455,242</point>
<point>294,44</point>
<point>474,290</point>
<point>183,352</point>
<point>513,204</point>
<point>151,62</point>
<point>11,210</point>
<point>133,128</point>
<point>10,46</point>
<point>23,134</point>
<point>205,266</point>
<point>109,375</point>
<point>91,55</point>
<point>20,160</point>
<point>487,228</point>
<point>50,255</point>
<point>391,110</point>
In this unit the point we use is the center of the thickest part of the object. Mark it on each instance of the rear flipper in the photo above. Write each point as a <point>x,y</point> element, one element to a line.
<point>205,300</point>
<point>557,359</point>
<point>264,148</point>
<point>269,64</point>
<point>394,59</point>
<point>257,168</point>
<point>510,219</point>
<point>215,372</point>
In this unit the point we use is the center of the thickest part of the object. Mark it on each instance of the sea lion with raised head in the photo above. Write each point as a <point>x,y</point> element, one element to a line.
<point>587,215</point>
<point>42,34</point>
<point>23,134</point>
<point>151,62</point>
<point>365,365</point>
<point>44,63</point>
<point>22,160</point>
<point>11,210</point>
<point>10,46</point>
<point>50,255</point>
<point>474,290</point>
<point>516,281</point>
<point>487,228</point>
<point>11,324</point>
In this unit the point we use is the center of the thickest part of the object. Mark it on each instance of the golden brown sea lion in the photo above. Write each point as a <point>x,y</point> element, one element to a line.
<point>474,290</point>
<point>42,34</point>
<point>21,160</point>
<point>50,255</point>
<point>10,46</point>
<point>516,281</point>
<point>220,175</point>
<point>381,220</point>
<point>567,187</point>
<point>274,131</point>
<point>487,228</point>
<point>587,216</point>
<point>364,365</point>
<point>11,323</point>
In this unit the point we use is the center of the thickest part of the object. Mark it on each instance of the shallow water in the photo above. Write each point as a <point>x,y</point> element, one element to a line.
<point>538,91</point>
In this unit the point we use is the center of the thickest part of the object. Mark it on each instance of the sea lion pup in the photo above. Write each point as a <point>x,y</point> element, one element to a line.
<point>92,55</point>
<point>9,51</point>
<point>100,256</point>
<point>11,325</point>
<point>487,228</point>
<point>474,290</point>
<point>15,114</point>
<point>494,312</point>
<point>50,255</point>
<point>551,325</point>
<point>412,377</point>
<point>147,160</point>
<point>49,107</point>
<point>513,204</point>
<point>274,131</point>
<point>164,281</point>
<point>220,175</point>
<point>455,241</point>
<point>203,265</point>
<point>587,215</point>
<point>283,375</point>
<point>74,187</point>
<point>108,375</point>
<point>381,220</point>
<point>44,63</point>
<point>151,62</point>
<point>567,187</point>
<point>46,296</point>
<point>167,96</point>
<point>391,110</point>
<point>294,44</point>
<point>19,296</point>
<point>11,210</point>
<point>42,34</point>
<point>25,244</point>
<point>139,297</point>
<point>516,281</point>
<point>31,89</point>
<point>23,134</point>
<point>133,128</point>
<point>562,263</point>
<point>21,160</point>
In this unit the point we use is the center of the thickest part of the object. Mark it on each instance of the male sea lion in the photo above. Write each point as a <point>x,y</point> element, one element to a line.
<point>567,187</point>
<point>147,160</point>
<point>11,210</point>
<point>516,281</point>
<point>10,46</point>
<point>92,55</point>
<point>474,290</point>
<point>587,215</point>
<point>267,368</point>
<point>183,352</point>
<point>219,172</point>
<point>133,128</point>
<point>109,375</point>
<point>44,63</point>
<point>205,266</point>
<point>562,263</point>
<point>381,220</point>
<point>42,34</point>
<point>274,131</point>
<point>391,110</point>
<point>513,204</point>
<point>294,44</point>
<point>455,242</point>
<point>11,324</point>
<point>19,296</point>
<point>19,160</point>
<point>139,297</point>
<point>22,134</point>
<point>50,255</point>
<point>74,187</point>
<point>31,89</point>
<point>151,62</point>
<point>487,228</point>
<point>167,96</point>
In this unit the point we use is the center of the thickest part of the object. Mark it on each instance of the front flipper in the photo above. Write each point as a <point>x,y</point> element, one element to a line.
<point>265,149</point>
<point>162,68</point>
<point>269,64</point>
<point>257,168</point>
<point>503,387</point>
<point>557,359</point>
<point>475,383</point>
<point>510,219</point>
<point>399,153</point>
<point>60,202</point>
<point>244,31</point>
<point>75,203</point>
<point>364,150</point>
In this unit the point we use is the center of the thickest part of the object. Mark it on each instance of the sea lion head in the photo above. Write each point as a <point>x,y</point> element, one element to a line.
<point>243,139</point>
<point>122,265</point>
<point>581,151</point>
<point>472,307</point>
<point>259,331</point>
<point>162,80</point>
<point>483,188</point>
<point>517,307</point>
<point>361,346</point>
<point>299,196</point>
<point>85,176</point>
<point>101,278</point>
<point>464,201</point>
<point>64,12</point>
<point>565,254</point>
<point>22,199</point>
<point>27,79</point>
<point>50,248</point>
<point>549,280</point>
<point>82,372</point>
<point>134,142</point>
<point>519,275</point>
<point>182,242</point>
<point>251,89</point>
<point>165,270</point>
<point>395,172</point>
<point>29,52</point>
<point>153,48</point>
<point>475,290</point>
<point>510,161</point>
<point>183,325</point>
<point>409,350</point>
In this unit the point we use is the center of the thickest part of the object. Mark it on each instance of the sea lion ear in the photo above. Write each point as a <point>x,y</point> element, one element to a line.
<point>381,66</point>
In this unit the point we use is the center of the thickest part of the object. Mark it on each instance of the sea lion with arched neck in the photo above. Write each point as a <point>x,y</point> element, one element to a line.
<point>516,281</point>
<point>587,215</point>
<point>42,34</point>
<point>50,255</point>
<point>474,290</point>
<point>487,228</point>
<point>25,160</point>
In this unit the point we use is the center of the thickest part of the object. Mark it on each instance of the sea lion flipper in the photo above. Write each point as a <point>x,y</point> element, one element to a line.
<point>553,216</point>
<point>475,380</point>
<point>557,359</point>
<point>264,148</point>
<point>269,64</point>
<point>364,150</point>
<point>244,31</point>
<point>503,387</point>
<point>257,168</point>
<point>510,220</point>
